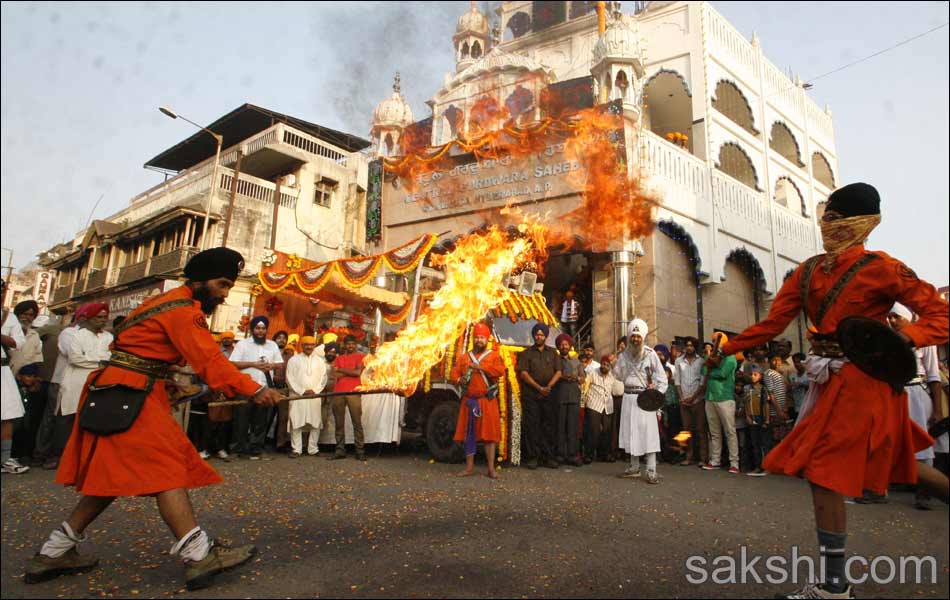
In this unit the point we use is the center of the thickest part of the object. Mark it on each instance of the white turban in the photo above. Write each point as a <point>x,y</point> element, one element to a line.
<point>40,321</point>
<point>902,311</point>
<point>638,327</point>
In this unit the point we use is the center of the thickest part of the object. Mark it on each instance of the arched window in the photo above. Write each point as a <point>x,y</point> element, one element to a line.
<point>520,105</point>
<point>518,25</point>
<point>579,9</point>
<point>783,141</point>
<point>735,162</point>
<point>787,194</point>
<point>389,146</point>
<point>733,104</point>
<point>822,170</point>
<point>476,50</point>
<point>465,50</point>
<point>622,84</point>
<point>453,119</point>
<point>669,108</point>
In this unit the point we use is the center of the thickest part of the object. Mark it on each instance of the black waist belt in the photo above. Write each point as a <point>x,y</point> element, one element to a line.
<point>145,366</point>
<point>826,347</point>
<point>633,390</point>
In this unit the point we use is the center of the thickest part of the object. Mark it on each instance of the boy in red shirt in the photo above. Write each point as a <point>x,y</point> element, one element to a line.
<point>347,368</point>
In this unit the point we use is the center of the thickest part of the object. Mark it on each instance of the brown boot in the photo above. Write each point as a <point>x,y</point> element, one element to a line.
<point>43,568</point>
<point>220,558</point>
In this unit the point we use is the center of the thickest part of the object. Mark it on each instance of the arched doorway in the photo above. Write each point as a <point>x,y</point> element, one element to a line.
<point>736,302</point>
<point>669,107</point>
<point>676,265</point>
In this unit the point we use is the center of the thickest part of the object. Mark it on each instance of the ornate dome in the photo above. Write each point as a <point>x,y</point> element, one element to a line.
<point>618,41</point>
<point>474,21</point>
<point>393,111</point>
<point>495,61</point>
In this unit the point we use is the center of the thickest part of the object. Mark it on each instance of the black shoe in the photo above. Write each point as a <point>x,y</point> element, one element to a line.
<point>551,464</point>
<point>336,456</point>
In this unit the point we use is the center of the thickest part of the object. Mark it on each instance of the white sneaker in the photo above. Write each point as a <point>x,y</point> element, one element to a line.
<point>631,473</point>
<point>222,454</point>
<point>13,466</point>
<point>813,591</point>
<point>204,454</point>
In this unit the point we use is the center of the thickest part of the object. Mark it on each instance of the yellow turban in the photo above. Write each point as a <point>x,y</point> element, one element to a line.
<point>329,338</point>
<point>293,338</point>
<point>308,339</point>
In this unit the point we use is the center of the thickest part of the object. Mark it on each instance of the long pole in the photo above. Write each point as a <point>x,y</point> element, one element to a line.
<point>214,185</point>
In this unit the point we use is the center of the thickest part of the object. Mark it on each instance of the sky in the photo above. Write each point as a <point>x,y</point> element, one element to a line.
<point>81,84</point>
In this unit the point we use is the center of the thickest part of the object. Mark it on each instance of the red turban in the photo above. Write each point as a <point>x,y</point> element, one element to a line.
<point>87,311</point>
<point>481,330</point>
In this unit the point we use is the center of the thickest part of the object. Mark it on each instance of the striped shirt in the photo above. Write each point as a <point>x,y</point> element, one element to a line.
<point>598,391</point>
<point>775,384</point>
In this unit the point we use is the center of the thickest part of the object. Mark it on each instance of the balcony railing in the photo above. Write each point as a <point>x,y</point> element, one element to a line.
<point>96,280</point>
<point>132,272</point>
<point>62,294</point>
<point>170,261</point>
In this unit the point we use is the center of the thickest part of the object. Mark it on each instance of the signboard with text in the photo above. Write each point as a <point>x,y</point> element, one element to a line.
<point>43,289</point>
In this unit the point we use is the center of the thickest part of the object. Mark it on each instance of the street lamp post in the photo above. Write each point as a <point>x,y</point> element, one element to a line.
<point>214,172</point>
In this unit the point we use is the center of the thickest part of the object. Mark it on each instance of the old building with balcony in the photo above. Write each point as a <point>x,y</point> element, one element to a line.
<point>738,155</point>
<point>281,183</point>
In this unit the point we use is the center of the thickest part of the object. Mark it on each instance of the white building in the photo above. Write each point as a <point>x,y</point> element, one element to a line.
<point>739,198</point>
<point>309,179</point>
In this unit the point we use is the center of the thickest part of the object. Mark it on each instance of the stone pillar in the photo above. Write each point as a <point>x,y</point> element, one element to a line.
<point>622,267</point>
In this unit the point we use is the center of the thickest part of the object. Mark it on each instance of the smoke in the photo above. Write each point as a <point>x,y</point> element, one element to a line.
<point>414,38</point>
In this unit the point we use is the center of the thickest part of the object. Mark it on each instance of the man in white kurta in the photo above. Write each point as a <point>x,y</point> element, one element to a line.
<point>923,391</point>
<point>306,374</point>
<point>639,368</point>
<point>85,352</point>
<point>11,403</point>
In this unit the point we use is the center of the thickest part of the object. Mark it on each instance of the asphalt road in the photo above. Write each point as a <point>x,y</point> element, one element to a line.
<point>400,525</point>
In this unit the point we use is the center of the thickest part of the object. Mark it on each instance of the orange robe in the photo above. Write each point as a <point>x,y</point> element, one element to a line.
<point>859,435</point>
<point>488,426</point>
<point>154,454</point>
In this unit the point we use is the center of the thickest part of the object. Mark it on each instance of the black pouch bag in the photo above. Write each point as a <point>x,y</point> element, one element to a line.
<point>113,408</point>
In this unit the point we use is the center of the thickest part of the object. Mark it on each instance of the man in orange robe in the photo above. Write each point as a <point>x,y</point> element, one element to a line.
<point>479,419</point>
<point>854,432</point>
<point>154,457</point>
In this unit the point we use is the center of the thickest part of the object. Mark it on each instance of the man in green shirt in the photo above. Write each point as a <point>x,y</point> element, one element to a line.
<point>720,373</point>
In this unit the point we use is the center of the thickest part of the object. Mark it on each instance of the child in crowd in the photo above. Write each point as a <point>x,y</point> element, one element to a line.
<point>742,428</point>
<point>756,404</point>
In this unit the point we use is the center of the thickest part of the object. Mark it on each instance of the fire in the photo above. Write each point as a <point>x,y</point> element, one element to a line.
<point>612,208</point>
<point>682,438</point>
<point>473,285</point>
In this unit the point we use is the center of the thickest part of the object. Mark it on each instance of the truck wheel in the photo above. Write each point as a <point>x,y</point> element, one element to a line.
<point>440,429</point>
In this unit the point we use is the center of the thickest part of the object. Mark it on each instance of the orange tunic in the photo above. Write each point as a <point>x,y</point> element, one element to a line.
<point>488,426</point>
<point>859,435</point>
<point>154,454</point>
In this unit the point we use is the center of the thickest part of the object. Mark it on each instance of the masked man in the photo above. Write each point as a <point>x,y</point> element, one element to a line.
<point>854,431</point>
<point>153,456</point>
<point>640,369</point>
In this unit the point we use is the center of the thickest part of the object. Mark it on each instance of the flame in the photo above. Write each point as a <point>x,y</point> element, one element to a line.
<point>612,207</point>
<point>474,275</point>
<point>682,438</point>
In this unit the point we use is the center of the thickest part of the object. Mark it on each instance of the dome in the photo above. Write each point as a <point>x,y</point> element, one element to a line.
<point>393,111</point>
<point>473,20</point>
<point>618,41</point>
<point>496,61</point>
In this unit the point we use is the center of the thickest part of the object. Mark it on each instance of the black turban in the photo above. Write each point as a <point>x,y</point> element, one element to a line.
<point>260,319</point>
<point>854,200</point>
<point>540,327</point>
<point>214,263</point>
<point>331,346</point>
<point>30,369</point>
<point>26,305</point>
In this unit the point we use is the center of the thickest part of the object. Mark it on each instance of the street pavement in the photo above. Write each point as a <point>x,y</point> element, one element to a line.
<point>401,525</point>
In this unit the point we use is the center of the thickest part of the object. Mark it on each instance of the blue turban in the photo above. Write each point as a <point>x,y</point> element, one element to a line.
<point>662,348</point>
<point>540,327</point>
<point>260,319</point>
<point>331,346</point>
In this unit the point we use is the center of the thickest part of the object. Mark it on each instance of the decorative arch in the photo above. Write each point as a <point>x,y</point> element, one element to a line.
<point>750,265</point>
<point>734,161</point>
<point>675,231</point>
<point>622,84</point>
<point>465,49</point>
<point>476,49</point>
<point>782,140</point>
<point>518,25</point>
<point>788,195</point>
<point>389,146</point>
<point>732,103</point>
<point>669,108</point>
<point>453,118</point>
<point>484,115</point>
<point>821,170</point>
